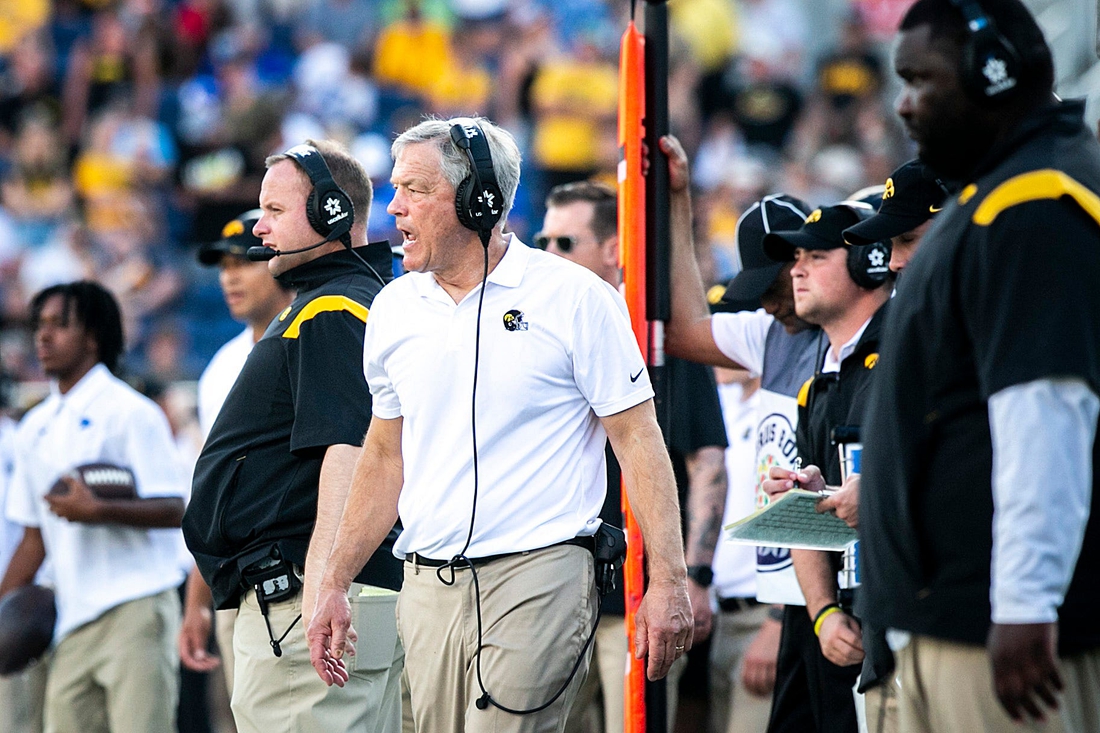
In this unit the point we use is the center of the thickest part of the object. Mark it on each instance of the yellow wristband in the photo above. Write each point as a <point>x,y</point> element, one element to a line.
<point>822,616</point>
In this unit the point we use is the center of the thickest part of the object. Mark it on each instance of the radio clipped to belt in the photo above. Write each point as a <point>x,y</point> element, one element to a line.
<point>609,555</point>
<point>274,580</point>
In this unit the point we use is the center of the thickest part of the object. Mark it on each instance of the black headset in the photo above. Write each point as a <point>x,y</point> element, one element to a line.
<point>328,209</point>
<point>868,264</point>
<point>991,65</point>
<point>478,198</point>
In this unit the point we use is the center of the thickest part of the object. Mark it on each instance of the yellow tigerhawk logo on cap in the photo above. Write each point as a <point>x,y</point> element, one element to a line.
<point>232,229</point>
<point>889,192</point>
<point>815,215</point>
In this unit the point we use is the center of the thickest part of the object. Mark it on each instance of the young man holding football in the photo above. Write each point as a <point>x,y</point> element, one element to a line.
<point>115,561</point>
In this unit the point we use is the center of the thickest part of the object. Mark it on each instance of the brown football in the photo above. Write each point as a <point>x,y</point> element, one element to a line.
<point>106,480</point>
<point>27,616</point>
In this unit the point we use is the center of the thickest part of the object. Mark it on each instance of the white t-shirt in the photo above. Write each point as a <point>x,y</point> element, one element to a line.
<point>219,377</point>
<point>10,532</point>
<point>98,567</point>
<point>557,353</point>
<point>784,362</point>
<point>734,565</point>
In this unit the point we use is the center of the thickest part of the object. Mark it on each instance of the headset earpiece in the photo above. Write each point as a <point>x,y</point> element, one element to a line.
<point>990,65</point>
<point>478,199</point>
<point>328,208</point>
<point>869,264</point>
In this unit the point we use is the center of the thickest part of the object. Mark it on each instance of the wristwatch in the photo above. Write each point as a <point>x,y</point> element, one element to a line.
<point>701,574</point>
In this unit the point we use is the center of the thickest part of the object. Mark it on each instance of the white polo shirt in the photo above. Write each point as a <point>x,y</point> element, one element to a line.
<point>98,566</point>
<point>557,353</point>
<point>220,375</point>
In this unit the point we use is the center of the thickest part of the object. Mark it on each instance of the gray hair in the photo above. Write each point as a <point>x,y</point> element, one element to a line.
<point>456,166</point>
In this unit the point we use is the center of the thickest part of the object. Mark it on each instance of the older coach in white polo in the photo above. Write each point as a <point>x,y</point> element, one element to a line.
<point>558,371</point>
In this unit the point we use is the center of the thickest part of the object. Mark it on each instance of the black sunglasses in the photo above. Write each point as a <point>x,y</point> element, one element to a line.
<point>565,244</point>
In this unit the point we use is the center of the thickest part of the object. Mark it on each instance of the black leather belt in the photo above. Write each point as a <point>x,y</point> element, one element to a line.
<point>732,605</point>
<point>588,543</point>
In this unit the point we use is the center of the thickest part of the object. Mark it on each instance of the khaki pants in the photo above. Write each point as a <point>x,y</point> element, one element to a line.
<point>1081,698</point>
<point>284,694</point>
<point>606,677</point>
<point>119,673</point>
<point>537,610</point>
<point>947,687</point>
<point>22,697</point>
<point>223,631</point>
<point>879,706</point>
<point>733,709</point>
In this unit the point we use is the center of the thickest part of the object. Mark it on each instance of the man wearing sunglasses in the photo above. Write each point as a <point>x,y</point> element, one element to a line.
<point>581,225</point>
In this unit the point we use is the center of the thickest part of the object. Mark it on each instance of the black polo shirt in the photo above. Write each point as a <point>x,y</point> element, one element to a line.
<point>1002,292</point>
<point>301,391</point>
<point>837,399</point>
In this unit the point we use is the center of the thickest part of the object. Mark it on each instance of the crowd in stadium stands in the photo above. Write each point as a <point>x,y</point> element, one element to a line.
<point>131,131</point>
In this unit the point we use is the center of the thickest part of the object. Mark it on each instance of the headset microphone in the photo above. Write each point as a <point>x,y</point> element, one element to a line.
<point>263,254</point>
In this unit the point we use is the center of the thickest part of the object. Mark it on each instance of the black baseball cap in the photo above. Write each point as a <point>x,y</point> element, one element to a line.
<point>912,196</point>
<point>776,212</point>
<point>237,237</point>
<point>822,229</point>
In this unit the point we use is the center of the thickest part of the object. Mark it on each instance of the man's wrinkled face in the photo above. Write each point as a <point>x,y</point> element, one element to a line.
<point>423,208</point>
<point>951,131</point>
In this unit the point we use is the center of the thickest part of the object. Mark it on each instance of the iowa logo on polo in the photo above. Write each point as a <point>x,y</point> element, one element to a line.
<point>513,321</point>
<point>889,192</point>
<point>815,215</point>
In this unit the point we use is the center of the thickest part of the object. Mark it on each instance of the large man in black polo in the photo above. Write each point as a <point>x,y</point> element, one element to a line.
<point>980,450</point>
<point>271,480</point>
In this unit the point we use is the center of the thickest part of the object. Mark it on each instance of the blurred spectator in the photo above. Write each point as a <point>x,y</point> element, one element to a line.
<point>335,85</point>
<point>229,124</point>
<point>782,22</point>
<point>762,101</point>
<point>348,23</point>
<point>574,97</point>
<point>28,87</point>
<point>37,191</point>
<point>465,84</point>
<point>21,18</point>
<point>412,53</point>
<point>113,62</point>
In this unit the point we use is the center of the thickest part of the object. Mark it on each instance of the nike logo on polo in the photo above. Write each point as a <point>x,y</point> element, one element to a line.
<point>934,210</point>
<point>634,377</point>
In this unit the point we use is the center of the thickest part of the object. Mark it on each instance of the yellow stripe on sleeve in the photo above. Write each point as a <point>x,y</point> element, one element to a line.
<point>321,305</point>
<point>804,393</point>
<point>1034,186</point>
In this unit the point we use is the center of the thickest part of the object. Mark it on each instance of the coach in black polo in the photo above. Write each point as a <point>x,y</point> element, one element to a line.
<point>277,464</point>
<point>978,511</point>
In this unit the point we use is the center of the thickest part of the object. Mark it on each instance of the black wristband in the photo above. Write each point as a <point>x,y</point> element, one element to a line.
<point>701,574</point>
<point>823,611</point>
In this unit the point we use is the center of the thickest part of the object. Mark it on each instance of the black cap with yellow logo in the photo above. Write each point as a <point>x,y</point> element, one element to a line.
<point>237,237</point>
<point>822,229</point>
<point>912,196</point>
